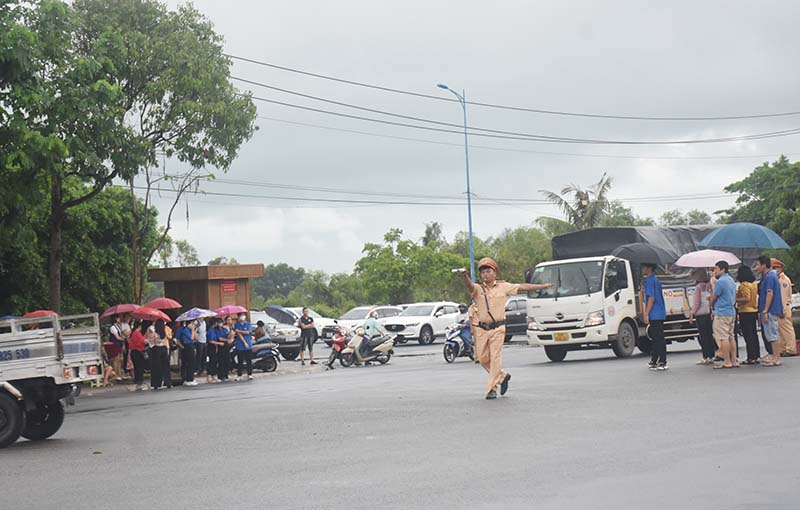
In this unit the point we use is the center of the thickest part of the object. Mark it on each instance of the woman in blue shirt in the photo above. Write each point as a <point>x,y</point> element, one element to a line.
<point>185,339</point>
<point>244,347</point>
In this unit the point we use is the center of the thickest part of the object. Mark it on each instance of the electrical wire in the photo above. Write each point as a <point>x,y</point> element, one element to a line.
<point>516,108</point>
<point>528,151</point>
<point>757,136</point>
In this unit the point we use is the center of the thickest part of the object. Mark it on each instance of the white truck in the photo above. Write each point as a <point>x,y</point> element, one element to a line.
<point>595,302</point>
<point>42,359</point>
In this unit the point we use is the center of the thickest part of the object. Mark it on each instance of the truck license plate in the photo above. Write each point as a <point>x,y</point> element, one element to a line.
<point>560,337</point>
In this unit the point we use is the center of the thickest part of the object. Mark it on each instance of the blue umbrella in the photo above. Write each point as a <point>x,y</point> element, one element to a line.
<point>744,235</point>
<point>196,313</point>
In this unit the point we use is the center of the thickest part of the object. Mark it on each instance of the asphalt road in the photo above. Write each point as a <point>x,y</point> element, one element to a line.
<point>592,432</point>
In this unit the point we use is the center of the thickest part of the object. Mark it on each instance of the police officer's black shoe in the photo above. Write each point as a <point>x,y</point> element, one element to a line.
<point>491,395</point>
<point>504,384</point>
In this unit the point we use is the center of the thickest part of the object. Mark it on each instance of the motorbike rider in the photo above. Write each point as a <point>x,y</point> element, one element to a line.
<point>466,333</point>
<point>371,330</point>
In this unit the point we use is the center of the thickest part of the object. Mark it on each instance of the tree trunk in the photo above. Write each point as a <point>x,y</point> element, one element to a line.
<point>136,250</point>
<point>57,216</point>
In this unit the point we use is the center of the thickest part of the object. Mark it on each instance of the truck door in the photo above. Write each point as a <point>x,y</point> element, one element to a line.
<point>618,288</point>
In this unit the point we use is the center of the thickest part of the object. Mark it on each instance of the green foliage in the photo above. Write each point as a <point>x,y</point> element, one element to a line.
<point>770,196</point>
<point>583,208</point>
<point>186,254</point>
<point>278,280</point>
<point>222,261</point>
<point>620,216</point>
<point>692,217</point>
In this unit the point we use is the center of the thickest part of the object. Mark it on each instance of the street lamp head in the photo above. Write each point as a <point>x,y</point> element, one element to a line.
<point>442,86</point>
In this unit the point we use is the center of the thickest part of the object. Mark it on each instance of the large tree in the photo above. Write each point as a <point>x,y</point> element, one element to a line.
<point>770,196</point>
<point>91,92</point>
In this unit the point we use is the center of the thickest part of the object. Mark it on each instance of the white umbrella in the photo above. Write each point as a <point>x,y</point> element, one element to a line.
<point>707,258</point>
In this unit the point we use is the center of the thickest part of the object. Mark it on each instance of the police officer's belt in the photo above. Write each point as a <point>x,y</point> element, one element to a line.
<point>491,325</point>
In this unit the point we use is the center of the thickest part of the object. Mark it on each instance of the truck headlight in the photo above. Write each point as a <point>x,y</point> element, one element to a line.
<point>533,325</point>
<point>595,319</point>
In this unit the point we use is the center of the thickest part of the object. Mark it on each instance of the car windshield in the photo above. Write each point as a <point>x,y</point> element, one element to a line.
<point>356,313</point>
<point>569,279</point>
<point>417,310</point>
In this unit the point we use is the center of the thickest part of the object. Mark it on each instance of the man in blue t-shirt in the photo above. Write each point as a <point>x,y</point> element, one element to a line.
<point>244,347</point>
<point>655,312</point>
<point>185,338</point>
<point>724,302</point>
<point>770,308</point>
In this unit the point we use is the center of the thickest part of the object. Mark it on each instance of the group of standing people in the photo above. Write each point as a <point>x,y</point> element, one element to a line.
<point>718,302</point>
<point>203,347</point>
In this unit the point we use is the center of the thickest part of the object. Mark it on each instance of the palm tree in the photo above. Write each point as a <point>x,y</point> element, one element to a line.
<point>586,207</point>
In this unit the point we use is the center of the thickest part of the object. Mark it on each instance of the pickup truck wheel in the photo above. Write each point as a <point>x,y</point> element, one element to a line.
<point>426,336</point>
<point>645,345</point>
<point>555,352</point>
<point>44,421</point>
<point>12,420</point>
<point>626,341</point>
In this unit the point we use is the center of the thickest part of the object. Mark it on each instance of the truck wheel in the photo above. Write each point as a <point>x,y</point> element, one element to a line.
<point>426,336</point>
<point>555,352</point>
<point>44,421</point>
<point>626,341</point>
<point>12,420</point>
<point>645,345</point>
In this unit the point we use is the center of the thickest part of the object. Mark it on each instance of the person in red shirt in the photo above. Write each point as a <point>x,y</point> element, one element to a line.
<point>136,347</point>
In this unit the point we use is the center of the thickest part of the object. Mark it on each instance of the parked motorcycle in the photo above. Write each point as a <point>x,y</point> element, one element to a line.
<point>266,355</point>
<point>379,348</point>
<point>454,345</point>
<point>341,337</point>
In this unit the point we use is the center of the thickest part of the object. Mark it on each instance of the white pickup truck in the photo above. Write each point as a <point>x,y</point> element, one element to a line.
<point>41,359</point>
<point>595,304</point>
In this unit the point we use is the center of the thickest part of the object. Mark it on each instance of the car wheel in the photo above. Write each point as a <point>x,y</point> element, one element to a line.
<point>449,353</point>
<point>626,341</point>
<point>12,420</point>
<point>289,355</point>
<point>347,359</point>
<point>555,353</point>
<point>44,421</point>
<point>426,336</point>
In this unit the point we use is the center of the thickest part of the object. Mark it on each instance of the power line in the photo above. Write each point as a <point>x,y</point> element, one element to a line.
<point>515,108</point>
<point>508,149</point>
<point>757,136</point>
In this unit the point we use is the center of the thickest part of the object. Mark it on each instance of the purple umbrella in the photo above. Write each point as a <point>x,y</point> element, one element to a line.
<point>196,313</point>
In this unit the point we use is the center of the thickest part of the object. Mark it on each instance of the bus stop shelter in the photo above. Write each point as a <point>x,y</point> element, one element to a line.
<point>208,286</point>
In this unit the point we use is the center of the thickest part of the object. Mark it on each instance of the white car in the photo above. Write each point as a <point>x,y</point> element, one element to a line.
<point>423,321</point>
<point>795,299</point>
<point>272,325</point>
<point>356,317</point>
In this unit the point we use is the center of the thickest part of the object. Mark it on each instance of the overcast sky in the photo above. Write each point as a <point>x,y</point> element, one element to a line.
<point>679,58</point>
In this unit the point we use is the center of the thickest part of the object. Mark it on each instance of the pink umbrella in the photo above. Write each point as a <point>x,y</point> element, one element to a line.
<point>163,303</point>
<point>119,309</point>
<point>230,310</point>
<point>149,314</point>
<point>707,258</point>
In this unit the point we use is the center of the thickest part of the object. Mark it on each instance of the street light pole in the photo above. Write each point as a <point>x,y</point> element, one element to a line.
<point>462,98</point>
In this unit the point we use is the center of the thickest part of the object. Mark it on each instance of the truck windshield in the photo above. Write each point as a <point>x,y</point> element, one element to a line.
<point>572,278</point>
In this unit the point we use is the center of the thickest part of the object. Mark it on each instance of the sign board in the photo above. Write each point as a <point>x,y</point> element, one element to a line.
<point>228,286</point>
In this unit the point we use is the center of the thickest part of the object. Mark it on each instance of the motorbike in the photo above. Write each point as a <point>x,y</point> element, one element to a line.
<point>265,355</point>
<point>379,348</point>
<point>454,344</point>
<point>338,344</point>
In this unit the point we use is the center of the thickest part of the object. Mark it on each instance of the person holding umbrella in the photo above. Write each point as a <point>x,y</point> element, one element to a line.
<point>701,312</point>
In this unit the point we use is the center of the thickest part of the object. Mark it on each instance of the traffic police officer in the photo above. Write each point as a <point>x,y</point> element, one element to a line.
<point>490,301</point>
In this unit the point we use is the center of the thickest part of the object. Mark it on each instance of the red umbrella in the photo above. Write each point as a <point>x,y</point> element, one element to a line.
<point>149,314</point>
<point>119,309</point>
<point>230,310</point>
<point>163,303</point>
<point>39,313</point>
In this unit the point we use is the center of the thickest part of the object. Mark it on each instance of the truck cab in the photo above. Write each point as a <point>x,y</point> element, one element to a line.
<point>595,303</point>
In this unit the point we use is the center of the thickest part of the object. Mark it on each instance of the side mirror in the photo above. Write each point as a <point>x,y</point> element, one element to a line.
<point>509,308</point>
<point>438,313</point>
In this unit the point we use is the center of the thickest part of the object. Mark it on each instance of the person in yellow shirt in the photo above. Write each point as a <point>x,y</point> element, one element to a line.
<point>490,301</point>
<point>785,326</point>
<point>747,310</point>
